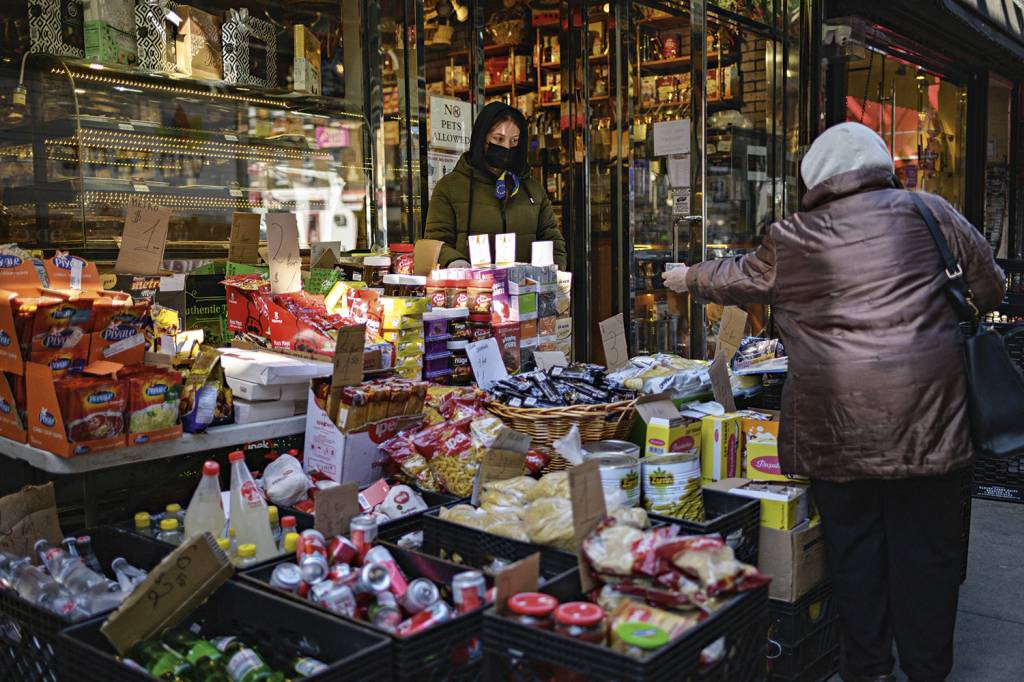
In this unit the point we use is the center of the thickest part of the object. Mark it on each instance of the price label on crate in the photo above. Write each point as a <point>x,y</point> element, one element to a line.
<point>283,253</point>
<point>348,356</point>
<point>588,509</point>
<point>171,591</point>
<point>143,239</point>
<point>335,507</point>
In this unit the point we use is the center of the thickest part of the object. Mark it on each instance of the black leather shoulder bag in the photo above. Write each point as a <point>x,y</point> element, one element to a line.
<point>995,386</point>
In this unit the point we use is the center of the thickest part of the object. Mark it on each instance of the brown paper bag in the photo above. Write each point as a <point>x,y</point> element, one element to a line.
<point>27,516</point>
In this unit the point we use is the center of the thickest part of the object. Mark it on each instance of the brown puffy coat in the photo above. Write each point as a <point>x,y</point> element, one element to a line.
<point>876,385</point>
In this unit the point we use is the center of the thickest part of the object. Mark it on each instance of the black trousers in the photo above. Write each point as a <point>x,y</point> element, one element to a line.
<point>893,548</point>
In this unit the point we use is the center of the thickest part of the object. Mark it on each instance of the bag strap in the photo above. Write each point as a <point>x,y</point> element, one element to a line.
<point>956,283</point>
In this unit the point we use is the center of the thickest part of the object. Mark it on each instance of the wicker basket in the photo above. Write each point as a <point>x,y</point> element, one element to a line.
<point>545,425</point>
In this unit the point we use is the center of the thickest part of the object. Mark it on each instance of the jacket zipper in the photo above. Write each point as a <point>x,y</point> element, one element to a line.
<point>504,225</point>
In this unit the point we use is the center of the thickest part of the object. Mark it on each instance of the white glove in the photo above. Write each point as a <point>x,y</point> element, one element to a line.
<point>675,279</point>
<point>459,264</point>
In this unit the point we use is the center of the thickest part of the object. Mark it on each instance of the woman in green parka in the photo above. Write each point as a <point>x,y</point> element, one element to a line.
<point>490,192</point>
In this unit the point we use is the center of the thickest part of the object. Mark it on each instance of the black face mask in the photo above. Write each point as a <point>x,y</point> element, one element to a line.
<point>500,157</point>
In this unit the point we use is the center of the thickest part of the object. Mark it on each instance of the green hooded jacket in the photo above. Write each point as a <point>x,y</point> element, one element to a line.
<point>528,213</point>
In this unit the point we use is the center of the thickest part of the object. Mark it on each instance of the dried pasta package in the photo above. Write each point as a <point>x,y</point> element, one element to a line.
<point>464,514</point>
<point>499,501</point>
<point>153,400</point>
<point>506,529</point>
<point>517,488</point>
<point>455,460</point>
<point>634,517</point>
<point>413,465</point>
<point>548,521</point>
<point>93,408</point>
<point>555,484</point>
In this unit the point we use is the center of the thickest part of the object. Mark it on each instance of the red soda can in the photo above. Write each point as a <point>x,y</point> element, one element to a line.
<point>311,556</point>
<point>363,531</point>
<point>384,612</point>
<point>469,591</point>
<point>438,612</point>
<point>381,555</point>
<point>335,597</point>
<point>340,573</point>
<point>421,594</point>
<point>371,579</point>
<point>341,550</point>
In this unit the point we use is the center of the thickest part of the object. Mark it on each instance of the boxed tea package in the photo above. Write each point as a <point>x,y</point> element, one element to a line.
<point>198,44</point>
<point>306,66</point>
<point>155,32</point>
<point>110,31</point>
<point>56,27</point>
<point>250,50</point>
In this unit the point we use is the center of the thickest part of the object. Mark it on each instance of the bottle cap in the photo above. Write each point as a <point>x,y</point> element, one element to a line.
<point>532,603</point>
<point>291,542</point>
<point>236,456</point>
<point>224,544</point>
<point>173,508</point>
<point>142,520</point>
<point>272,512</point>
<point>581,613</point>
<point>211,468</point>
<point>377,261</point>
<point>247,551</point>
<point>169,524</point>
<point>288,522</point>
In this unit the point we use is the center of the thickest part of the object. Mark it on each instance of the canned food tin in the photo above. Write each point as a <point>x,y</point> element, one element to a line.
<point>671,485</point>
<point>612,447</point>
<point>619,473</point>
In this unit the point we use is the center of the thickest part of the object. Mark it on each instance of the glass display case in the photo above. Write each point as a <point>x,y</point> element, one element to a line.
<point>96,132</point>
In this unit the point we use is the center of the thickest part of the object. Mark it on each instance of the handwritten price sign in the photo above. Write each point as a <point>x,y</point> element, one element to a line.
<point>143,239</point>
<point>283,253</point>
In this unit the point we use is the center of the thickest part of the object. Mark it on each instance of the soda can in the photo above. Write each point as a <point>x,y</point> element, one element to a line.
<point>381,555</point>
<point>363,531</point>
<point>371,579</point>
<point>384,612</point>
<point>420,594</point>
<point>436,613</point>
<point>469,591</point>
<point>340,572</point>
<point>287,577</point>
<point>337,598</point>
<point>312,556</point>
<point>341,550</point>
<point>310,541</point>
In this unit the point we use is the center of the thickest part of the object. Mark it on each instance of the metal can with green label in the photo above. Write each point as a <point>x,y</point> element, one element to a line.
<point>671,485</point>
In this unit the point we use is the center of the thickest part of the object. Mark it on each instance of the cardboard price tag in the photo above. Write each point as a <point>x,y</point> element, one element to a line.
<point>245,238</point>
<point>334,508</point>
<point>730,331</point>
<point>505,248</point>
<point>720,384</point>
<point>588,509</point>
<point>283,253</point>
<point>497,465</point>
<point>424,256</point>
<point>175,588</point>
<point>485,359</point>
<point>542,254</point>
<point>479,250</point>
<point>613,339</point>
<point>27,516</point>
<point>143,239</point>
<point>546,359</point>
<point>348,356</point>
<point>522,576</point>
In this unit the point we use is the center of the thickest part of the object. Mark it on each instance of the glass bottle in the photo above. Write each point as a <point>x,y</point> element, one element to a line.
<point>243,663</point>
<point>206,660</point>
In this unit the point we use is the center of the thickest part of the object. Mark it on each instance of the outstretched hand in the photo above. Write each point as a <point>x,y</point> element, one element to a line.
<point>675,279</point>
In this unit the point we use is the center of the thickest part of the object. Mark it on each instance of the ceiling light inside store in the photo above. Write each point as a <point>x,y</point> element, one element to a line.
<point>607,8</point>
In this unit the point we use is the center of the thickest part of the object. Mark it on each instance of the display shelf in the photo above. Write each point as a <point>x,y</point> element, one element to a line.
<point>550,105</point>
<point>665,22</point>
<point>493,50</point>
<point>215,438</point>
<point>551,66</point>
<point>500,88</point>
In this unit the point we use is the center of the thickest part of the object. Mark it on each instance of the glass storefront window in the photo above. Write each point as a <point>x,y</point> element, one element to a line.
<point>922,117</point>
<point>760,11</point>
<point>997,165</point>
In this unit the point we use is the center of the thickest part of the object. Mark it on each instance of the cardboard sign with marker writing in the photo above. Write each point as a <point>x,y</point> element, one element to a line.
<point>720,384</point>
<point>485,359</point>
<point>173,590</point>
<point>424,256</point>
<point>143,239</point>
<point>283,253</point>
<point>522,576</point>
<point>479,250</point>
<point>588,509</point>
<point>348,356</point>
<point>497,465</point>
<point>613,339</point>
<point>546,359</point>
<point>26,516</point>
<point>245,238</point>
<point>335,507</point>
<point>730,331</point>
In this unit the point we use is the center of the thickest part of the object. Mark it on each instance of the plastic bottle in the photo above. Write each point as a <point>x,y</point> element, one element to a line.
<point>249,516</point>
<point>246,555</point>
<point>205,512</point>
<point>290,543</point>
<point>288,525</point>
<point>42,590</point>
<point>275,524</point>
<point>70,571</point>
<point>170,532</point>
<point>144,524</point>
<point>127,575</point>
<point>84,543</point>
<point>233,546</point>
<point>174,511</point>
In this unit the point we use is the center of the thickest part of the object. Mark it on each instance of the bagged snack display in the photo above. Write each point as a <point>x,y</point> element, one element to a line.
<point>93,407</point>
<point>206,399</point>
<point>760,356</point>
<point>154,396</point>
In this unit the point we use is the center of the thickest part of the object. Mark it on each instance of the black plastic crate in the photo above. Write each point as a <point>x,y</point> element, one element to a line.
<point>434,654</point>
<point>736,518</point>
<point>477,548</point>
<point>28,634</point>
<point>793,662</point>
<point>789,624</point>
<point>529,653</point>
<point>276,627</point>
<point>822,670</point>
<point>999,479</point>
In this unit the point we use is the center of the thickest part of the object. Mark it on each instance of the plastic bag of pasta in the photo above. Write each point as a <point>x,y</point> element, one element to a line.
<point>548,521</point>
<point>555,484</point>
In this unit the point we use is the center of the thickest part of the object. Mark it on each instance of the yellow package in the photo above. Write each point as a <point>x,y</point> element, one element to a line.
<point>338,297</point>
<point>720,447</point>
<point>410,349</point>
<point>402,312</point>
<point>400,336</point>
